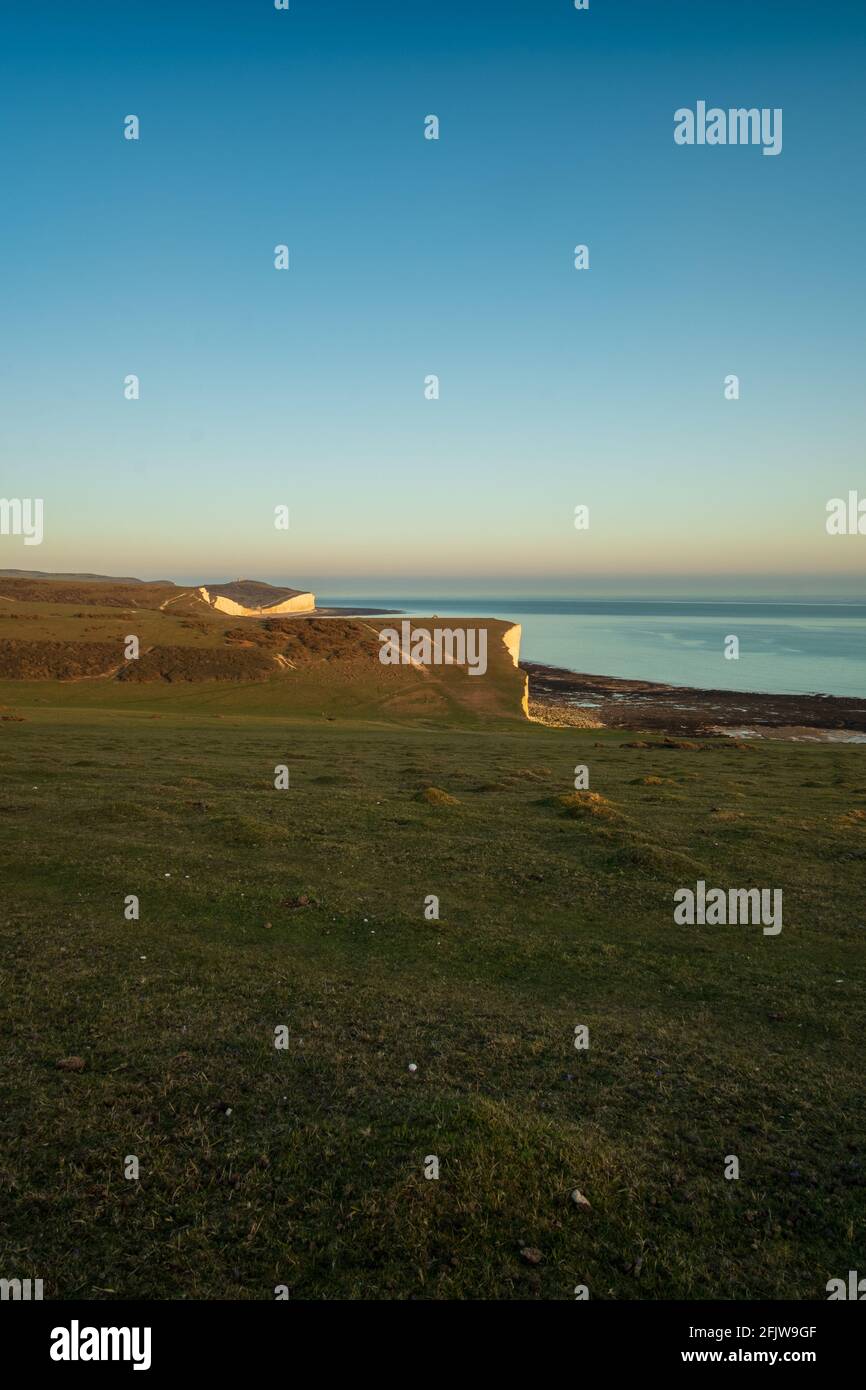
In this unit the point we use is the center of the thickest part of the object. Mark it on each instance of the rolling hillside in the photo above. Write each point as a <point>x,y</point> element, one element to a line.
<point>63,642</point>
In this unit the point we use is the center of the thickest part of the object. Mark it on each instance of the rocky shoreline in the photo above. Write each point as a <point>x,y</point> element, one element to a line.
<point>570,698</point>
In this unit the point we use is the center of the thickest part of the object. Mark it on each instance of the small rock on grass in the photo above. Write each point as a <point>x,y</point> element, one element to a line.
<point>70,1064</point>
<point>531,1255</point>
<point>580,1201</point>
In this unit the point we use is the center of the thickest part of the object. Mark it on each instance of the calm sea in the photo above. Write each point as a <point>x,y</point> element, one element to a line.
<point>799,648</point>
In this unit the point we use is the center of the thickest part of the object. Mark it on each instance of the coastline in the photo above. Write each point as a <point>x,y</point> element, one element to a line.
<point>562,699</point>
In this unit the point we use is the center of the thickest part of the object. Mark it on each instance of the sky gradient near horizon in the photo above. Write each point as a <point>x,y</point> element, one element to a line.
<point>455,257</point>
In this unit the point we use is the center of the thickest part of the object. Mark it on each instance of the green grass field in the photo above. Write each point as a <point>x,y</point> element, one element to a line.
<point>304,1167</point>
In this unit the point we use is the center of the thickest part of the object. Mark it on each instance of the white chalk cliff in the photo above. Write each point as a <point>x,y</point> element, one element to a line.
<point>297,603</point>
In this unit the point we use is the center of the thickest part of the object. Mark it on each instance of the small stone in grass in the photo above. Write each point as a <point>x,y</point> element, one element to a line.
<point>531,1255</point>
<point>580,1201</point>
<point>70,1064</point>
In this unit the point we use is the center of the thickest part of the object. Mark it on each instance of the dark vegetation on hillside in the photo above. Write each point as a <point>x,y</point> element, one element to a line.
<point>197,664</point>
<point>69,661</point>
<point>308,639</point>
<point>57,660</point>
<point>249,654</point>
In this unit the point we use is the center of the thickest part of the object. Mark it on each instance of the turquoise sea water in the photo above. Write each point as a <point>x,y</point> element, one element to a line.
<point>785,647</point>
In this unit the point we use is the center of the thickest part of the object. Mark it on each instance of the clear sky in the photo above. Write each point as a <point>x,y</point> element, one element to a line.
<point>410,257</point>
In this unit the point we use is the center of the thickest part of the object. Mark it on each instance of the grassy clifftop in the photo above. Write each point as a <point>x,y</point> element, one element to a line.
<point>64,645</point>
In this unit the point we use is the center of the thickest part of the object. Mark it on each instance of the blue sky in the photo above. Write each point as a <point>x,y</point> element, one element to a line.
<point>454,257</point>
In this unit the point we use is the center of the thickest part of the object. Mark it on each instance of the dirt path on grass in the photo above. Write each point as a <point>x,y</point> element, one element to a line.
<point>188,593</point>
